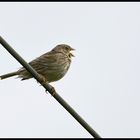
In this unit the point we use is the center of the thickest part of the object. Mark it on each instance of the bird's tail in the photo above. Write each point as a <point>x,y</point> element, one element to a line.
<point>8,75</point>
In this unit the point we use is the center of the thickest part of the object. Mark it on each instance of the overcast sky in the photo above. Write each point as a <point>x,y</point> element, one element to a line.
<point>102,84</point>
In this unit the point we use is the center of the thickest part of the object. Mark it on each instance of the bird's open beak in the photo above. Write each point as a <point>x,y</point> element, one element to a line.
<point>71,53</point>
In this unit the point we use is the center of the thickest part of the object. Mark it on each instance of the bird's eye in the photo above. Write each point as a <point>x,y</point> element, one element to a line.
<point>67,49</point>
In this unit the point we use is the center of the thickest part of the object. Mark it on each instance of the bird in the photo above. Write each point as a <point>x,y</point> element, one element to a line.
<point>52,66</point>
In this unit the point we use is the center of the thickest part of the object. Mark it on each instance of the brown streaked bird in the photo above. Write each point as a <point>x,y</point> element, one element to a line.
<point>52,65</point>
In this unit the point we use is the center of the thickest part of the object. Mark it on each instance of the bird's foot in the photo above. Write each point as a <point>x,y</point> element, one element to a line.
<point>43,80</point>
<point>52,91</point>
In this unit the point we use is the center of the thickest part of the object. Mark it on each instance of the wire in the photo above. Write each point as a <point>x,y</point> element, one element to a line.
<point>49,88</point>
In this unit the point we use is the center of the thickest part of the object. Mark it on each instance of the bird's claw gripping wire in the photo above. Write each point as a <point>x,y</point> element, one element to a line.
<point>43,81</point>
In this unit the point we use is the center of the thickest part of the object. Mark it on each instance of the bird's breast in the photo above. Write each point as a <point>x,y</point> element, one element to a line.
<point>54,73</point>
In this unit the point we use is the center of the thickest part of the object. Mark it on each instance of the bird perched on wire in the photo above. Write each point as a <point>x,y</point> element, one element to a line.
<point>52,66</point>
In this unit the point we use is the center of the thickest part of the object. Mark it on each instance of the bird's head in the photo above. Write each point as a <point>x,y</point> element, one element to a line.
<point>66,49</point>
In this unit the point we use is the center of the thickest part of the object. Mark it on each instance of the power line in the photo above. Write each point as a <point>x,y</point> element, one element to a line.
<point>49,88</point>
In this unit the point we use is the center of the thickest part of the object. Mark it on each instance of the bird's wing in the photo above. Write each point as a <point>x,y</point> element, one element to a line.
<point>47,61</point>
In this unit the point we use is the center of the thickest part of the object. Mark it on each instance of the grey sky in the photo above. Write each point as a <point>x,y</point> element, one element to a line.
<point>102,84</point>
